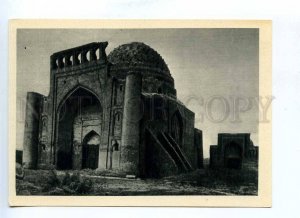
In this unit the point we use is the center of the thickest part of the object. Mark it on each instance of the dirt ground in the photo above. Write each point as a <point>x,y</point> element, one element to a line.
<point>94,183</point>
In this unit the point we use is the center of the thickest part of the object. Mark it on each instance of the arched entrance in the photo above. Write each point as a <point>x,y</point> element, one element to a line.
<point>77,115</point>
<point>233,155</point>
<point>177,127</point>
<point>90,150</point>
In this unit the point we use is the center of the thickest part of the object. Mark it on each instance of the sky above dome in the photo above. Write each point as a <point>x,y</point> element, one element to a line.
<point>213,69</point>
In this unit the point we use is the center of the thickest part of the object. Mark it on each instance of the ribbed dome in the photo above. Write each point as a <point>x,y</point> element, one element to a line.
<point>137,54</point>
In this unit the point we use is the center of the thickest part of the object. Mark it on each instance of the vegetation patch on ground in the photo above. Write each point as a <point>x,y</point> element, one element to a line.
<point>98,183</point>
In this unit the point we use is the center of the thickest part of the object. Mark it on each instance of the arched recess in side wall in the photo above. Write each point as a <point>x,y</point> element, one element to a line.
<point>117,123</point>
<point>177,127</point>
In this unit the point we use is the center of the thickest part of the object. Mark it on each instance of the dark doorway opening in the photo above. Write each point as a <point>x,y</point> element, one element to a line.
<point>234,163</point>
<point>90,151</point>
<point>233,156</point>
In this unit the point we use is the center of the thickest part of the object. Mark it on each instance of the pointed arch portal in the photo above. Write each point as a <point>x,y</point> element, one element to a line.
<point>79,109</point>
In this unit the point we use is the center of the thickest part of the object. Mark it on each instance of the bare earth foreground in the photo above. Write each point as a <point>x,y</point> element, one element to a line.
<point>99,183</point>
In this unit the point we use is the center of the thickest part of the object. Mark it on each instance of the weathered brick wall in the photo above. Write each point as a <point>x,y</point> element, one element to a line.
<point>188,145</point>
<point>188,118</point>
<point>157,84</point>
<point>156,162</point>
<point>158,113</point>
<point>34,103</point>
<point>238,146</point>
<point>44,148</point>
<point>113,156</point>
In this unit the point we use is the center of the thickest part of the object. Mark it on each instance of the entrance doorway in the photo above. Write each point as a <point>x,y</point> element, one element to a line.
<point>90,151</point>
<point>233,155</point>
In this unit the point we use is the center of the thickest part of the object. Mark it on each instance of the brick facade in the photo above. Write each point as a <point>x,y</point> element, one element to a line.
<point>116,112</point>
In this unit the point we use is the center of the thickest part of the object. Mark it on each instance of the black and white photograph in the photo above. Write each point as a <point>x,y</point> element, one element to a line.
<point>142,108</point>
<point>139,112</point>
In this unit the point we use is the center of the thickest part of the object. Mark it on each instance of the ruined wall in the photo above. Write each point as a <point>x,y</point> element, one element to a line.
<point>44,147</point>
<point>233,150</point>
<point>159,112</point>
<point>188,145</point>
<point>161,84</point>
<point>157,162</point>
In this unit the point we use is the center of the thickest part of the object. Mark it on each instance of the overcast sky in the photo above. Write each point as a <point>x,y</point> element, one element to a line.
<point>211,68</point>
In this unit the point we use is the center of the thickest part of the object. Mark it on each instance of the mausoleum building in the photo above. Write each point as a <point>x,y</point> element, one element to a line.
<point>111,112</point>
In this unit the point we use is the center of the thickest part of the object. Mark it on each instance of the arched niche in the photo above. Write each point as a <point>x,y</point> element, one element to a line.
<point>74,113</point>
<point>177,127</point>
<point>117,123</point>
